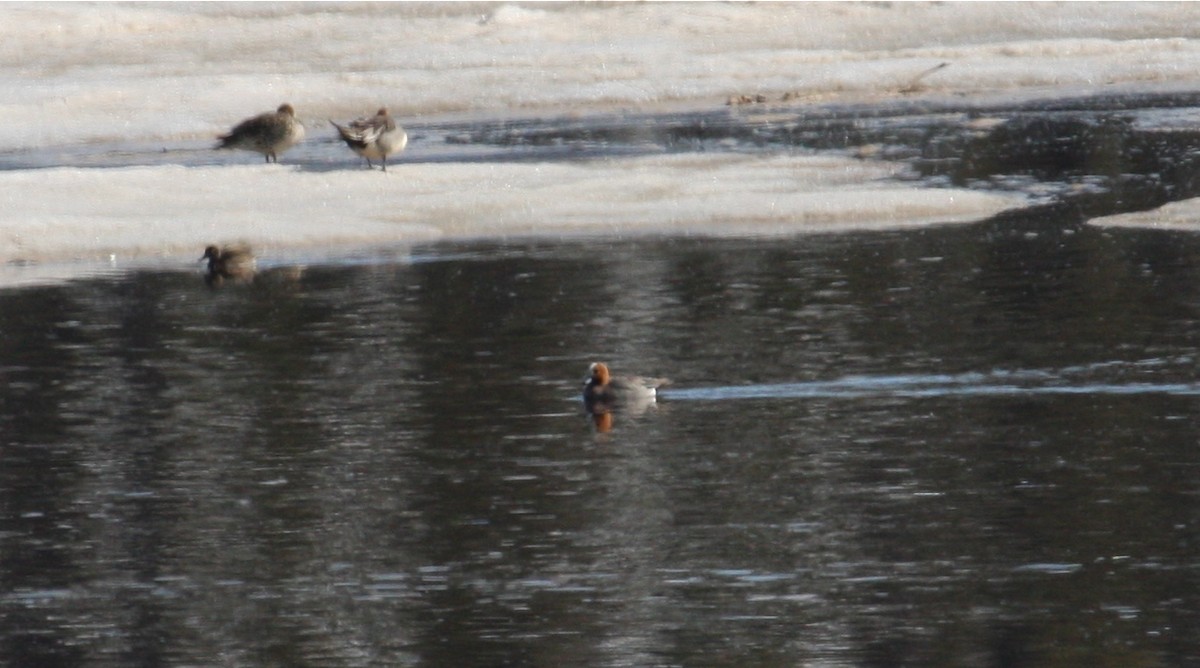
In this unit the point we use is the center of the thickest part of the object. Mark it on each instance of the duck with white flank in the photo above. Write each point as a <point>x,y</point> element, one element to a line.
<point>602,390</point>
<point>270,133</point>
<point>374,138</point>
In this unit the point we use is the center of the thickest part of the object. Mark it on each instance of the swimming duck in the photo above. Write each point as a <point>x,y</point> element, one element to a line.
<point>603,389</point>
<point>232,263</point>
<point>269,133</point>
<point>374,138</point>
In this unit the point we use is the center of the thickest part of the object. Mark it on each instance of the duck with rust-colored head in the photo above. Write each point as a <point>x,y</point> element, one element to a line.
<point>603,389</point>
<point>269,133</point>
<point>374,138</point>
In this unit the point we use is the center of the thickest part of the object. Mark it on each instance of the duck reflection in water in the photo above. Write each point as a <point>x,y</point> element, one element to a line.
<point>603,420</point>
<point>604,393</point>
<point>231,263</point>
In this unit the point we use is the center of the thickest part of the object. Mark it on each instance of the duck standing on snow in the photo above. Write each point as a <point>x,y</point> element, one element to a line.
<point>374,138</point>
<point>269,133</point>
<point>602,390</point>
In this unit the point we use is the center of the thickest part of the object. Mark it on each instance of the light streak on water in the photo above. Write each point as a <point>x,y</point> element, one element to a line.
<point>917,386</point>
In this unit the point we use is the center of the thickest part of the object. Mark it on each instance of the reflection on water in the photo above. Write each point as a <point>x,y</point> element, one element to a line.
<point>968,446</point>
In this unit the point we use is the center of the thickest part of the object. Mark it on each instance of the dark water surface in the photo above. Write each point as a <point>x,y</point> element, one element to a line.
<point>959,446</point>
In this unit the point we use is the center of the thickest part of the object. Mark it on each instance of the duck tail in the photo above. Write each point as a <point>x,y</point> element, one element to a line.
<point>351,138</point>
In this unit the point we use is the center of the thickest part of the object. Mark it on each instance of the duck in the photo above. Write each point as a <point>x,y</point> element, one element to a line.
<point>374,138</point>
<point>229,263</point>
<point>270,133</point>
<point>601,389</point>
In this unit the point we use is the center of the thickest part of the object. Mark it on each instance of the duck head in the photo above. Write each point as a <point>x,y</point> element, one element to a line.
<point>598,374</point>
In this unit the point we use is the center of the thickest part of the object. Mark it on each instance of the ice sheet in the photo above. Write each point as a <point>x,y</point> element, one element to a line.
<point>117,215</point>
<point>1182,215</point>
<point>78,73</point>
<point>74,75</point>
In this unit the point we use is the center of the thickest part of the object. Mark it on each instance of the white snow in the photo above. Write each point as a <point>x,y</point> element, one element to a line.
<point>270,206</point>
<point>76,75</point>
<point>1181,215</point>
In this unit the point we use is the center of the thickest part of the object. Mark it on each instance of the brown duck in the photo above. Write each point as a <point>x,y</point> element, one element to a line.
<point>269,133</point>
<point>229,263</point>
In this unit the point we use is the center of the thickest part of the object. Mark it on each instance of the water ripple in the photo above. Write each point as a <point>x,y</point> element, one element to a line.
<point>973,384</point>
